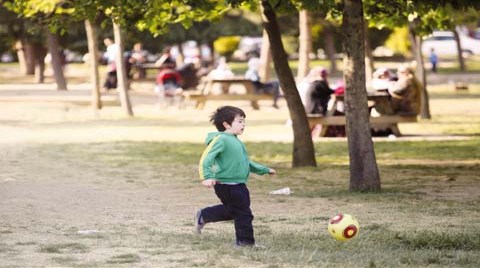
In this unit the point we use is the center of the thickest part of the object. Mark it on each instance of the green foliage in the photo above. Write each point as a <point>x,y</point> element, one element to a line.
<point>157,15</point>
<point>290,43</point>
<point>226,45</point>
<point>399,41</point>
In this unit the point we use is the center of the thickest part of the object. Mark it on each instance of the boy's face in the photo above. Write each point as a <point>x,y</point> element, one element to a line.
<point>237,126</point>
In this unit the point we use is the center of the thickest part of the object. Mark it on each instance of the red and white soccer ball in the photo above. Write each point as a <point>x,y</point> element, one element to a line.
<point>343,227</point>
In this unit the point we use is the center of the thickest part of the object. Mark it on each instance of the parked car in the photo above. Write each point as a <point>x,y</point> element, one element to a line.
<point>7,57</point>
<point>444,44</point>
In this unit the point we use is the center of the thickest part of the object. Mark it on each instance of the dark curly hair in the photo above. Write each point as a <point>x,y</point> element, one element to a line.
<point>225,114</point>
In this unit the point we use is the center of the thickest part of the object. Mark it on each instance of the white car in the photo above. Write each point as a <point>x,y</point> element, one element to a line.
<point>443,42</point>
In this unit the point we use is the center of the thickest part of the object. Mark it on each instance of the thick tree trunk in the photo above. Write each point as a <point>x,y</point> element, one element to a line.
<point>122,71</point>
<point>305,42</point>
<point>330,46</point>
<point>26,56</point>
<point>91,32</point>
<point>39,53</point>
<point>22,57</point>
<point>57,62</point>
<point>265,59</point>
<point>303,151</point>
<point>364,175</point>
<point>461,60</point>
<point>420,71</point>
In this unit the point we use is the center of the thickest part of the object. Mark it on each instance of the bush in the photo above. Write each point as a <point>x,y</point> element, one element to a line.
<point>399,41</point>
<point>226,45</point>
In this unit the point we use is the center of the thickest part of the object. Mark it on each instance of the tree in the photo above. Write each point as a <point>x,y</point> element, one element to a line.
<point>39,14</point>
<point>122,71</point>
<point>91,32</point>
<point>364,175</point>
<point>422,17</point>
<point>56,55</point>
<point>305,41</point>
<point>303,151</point>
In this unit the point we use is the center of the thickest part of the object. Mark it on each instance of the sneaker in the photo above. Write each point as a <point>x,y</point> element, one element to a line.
<point>198,221</point>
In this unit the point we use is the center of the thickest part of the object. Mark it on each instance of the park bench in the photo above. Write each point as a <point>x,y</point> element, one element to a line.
<point>226,94</point>
<point>382,121</point>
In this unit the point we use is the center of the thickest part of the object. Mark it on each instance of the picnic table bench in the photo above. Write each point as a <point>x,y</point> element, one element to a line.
<point>389,120</point>
<point>226,94</point>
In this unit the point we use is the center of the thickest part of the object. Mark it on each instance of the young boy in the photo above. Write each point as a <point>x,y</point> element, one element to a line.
<point>225,166</point>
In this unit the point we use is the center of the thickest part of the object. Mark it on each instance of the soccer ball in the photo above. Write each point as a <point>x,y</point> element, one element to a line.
<point>343,227</point>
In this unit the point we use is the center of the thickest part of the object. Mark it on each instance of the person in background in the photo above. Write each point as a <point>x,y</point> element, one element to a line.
<point>138,56</point>
<point>221,71</point>
<point>270,88</point>
<point>166,60</point>
<point>319,91</point>
<point>382,79</point>
<point>406,92</point>
<point>110,57</point>
<point>433,60</point>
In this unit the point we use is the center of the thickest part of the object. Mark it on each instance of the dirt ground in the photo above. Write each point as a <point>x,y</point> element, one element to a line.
<point>47,201</point>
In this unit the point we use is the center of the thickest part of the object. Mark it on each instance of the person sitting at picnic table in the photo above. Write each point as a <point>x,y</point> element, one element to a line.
<point>138,56</point>
<point>382,79</point>
<point>317,97</point>
<point>168,81</point>
<point>166,60</point>
<point>405,93</point>
<point>319,92</point>
<point>270,88</point>
<point>221,71</point>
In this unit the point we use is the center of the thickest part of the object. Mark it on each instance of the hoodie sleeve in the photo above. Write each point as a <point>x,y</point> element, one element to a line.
<point>205,167</point>
<point>258,168</point>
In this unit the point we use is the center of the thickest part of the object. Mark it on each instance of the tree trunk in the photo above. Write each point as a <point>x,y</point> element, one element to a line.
<point>303,151</point>
<point>121,71</point>
<point>180,59</point>
<point>364,175</point>
<point>39,53</point>
<point>57,62</point>
<point>91,32</point>
<point>461,60</point>
<point>368,59</point>
<point>330,46</point>
<point>305,42</point>
<point>26,57</point>
<point>265,59</point>
<point>22,57</point>
<point>420,71</point>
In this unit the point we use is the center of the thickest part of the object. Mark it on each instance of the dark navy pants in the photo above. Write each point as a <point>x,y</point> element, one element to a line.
<point>235,206</point>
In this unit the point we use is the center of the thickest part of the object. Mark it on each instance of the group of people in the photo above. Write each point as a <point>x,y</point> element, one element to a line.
<point>404,90</point>
<point>133,58</point>
<point>222,71</point>
<point>170,79</point>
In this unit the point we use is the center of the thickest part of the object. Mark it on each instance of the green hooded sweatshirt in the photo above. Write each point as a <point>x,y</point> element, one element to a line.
<point>226,160</point>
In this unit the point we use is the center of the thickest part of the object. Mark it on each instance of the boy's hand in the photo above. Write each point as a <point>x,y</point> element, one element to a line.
<point>209,183</point>
<point>272,171</point>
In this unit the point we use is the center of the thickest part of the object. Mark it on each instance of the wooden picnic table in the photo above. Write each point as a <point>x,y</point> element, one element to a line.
<point>227,93</point>
<point>377,99</point>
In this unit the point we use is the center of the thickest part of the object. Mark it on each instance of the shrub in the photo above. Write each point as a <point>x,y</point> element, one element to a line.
<point>226,45</point>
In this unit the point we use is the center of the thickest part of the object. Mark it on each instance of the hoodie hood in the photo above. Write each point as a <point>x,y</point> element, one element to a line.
<point>212,135</point>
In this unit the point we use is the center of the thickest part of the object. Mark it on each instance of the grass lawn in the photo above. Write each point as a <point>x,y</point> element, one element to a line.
<point>78,190</point>
<point>426,215</point>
